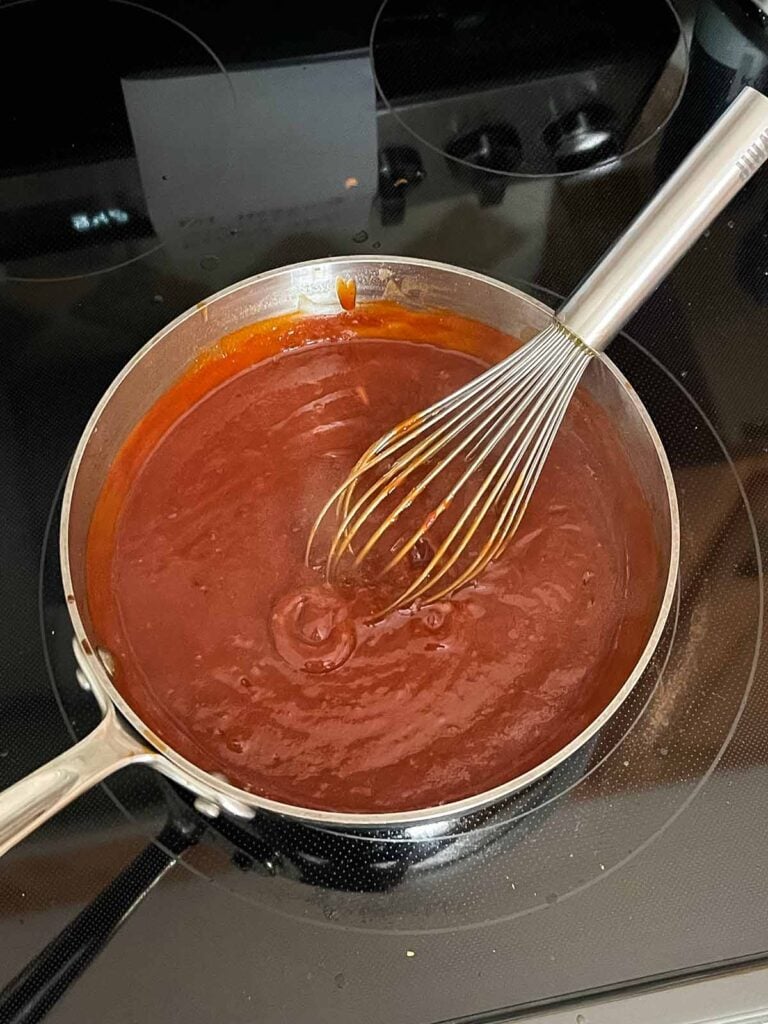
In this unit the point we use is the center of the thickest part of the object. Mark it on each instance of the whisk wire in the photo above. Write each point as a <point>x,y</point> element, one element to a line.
<point>458,411</point>
<point>516,505</point>
<point>509,414</point>
<point>503,471</point>
<point>382,449</point>
<point>511,392</point>
<point>497,425</point>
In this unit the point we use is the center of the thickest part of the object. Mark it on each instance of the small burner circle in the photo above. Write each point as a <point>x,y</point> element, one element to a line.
<point>570,85</point>
<point>103,181</point>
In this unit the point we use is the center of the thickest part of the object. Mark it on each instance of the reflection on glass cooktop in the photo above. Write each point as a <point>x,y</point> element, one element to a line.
<point>169,150</point>
<point>523,89</point>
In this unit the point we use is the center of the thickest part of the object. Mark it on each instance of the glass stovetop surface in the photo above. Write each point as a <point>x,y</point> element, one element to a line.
<point>154,154</point>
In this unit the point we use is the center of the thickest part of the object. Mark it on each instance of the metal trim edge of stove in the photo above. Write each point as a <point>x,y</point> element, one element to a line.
<point>733,995</point>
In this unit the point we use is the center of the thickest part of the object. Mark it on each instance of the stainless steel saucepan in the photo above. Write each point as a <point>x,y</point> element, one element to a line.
<point>122,738</point>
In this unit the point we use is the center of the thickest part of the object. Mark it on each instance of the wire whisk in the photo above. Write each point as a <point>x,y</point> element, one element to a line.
<point>502,423</point>
<point>483,448</point>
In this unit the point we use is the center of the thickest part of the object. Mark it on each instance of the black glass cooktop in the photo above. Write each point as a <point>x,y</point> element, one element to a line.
<point>154,154</point>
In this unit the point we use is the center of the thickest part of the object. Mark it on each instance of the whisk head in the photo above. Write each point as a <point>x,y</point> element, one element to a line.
<point>447,488</point>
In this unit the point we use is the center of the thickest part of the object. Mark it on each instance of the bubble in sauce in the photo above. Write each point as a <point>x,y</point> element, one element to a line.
<point>312,629</point>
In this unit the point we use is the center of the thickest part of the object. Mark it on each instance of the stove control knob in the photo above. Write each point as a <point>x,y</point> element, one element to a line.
<point>484,157</point>
<point>400,168</point>
<point>582,138</point>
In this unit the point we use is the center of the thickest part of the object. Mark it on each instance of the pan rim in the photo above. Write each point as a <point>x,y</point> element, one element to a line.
<point>233,798</point>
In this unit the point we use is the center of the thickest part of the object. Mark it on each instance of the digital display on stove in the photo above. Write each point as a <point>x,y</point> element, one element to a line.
<point>103,218</point>
<point>69,224</point>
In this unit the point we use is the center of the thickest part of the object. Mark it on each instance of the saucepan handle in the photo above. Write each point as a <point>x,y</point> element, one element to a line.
<point>28,997</point>
<point>36,798</point>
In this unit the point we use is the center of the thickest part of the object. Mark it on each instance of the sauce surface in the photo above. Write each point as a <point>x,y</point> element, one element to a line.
<point>240,657</point>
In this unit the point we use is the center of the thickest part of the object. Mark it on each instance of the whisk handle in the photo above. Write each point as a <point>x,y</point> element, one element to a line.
<point>704,183</point>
